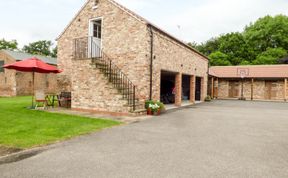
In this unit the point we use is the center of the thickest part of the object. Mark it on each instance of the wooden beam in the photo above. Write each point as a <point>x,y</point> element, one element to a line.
<point>212,88</point>
<point>252,88</point>
<point>285,89</point>
<point>217,88</point>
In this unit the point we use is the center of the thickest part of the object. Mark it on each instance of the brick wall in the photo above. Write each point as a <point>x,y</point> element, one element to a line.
<point>123,39</point>
<point>7,78</point>
<point>126,40</point>
<point>223,88</point>
<point>13,83</point>
<point>44,82</point>
<point>171,56</point>
<point>92,91</point>
<point>259,89</point>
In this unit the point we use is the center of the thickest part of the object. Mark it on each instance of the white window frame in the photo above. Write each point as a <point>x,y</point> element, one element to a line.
<point>90,30</point>
<point>91,26</point>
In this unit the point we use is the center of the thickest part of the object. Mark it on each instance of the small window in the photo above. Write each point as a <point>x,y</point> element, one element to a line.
<point>97,29</point>
<point>1,66</point>
<point>96,2</point>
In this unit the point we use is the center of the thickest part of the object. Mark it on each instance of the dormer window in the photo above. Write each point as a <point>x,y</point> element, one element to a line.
<point>96,3</point>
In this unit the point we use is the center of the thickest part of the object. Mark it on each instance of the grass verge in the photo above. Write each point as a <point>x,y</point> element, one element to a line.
<point>22,128</point>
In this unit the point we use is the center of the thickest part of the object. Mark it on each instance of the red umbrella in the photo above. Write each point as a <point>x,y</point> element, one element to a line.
<point>32,65</point>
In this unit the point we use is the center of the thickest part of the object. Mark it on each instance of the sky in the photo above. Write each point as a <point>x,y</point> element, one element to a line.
<point>190,20</point>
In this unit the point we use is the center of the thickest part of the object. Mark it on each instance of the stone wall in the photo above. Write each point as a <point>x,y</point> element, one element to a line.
<point>14,83</point>
<point>259,89</point>
<point>7,78</point>
<point>42,82</point>
<point>126,40</point>
<point>92,91</point>
<point>174,57</point>
<point>223,88</point>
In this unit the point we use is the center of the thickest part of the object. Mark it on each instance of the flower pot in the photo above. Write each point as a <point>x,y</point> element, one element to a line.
<point>149,111</point>
<point>157,113</point>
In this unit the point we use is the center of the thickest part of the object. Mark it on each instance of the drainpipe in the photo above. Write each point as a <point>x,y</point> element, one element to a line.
<point>151,59</point>
<point>208,78</point>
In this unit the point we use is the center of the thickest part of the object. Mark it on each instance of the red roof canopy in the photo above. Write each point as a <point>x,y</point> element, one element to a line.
<point>32,65</point>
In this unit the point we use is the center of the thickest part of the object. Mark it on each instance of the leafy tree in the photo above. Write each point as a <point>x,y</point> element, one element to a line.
<point>271,56</point>
<point>209,47</point>
<point>192,44</point>
<point>219,59</point>
<point>10,45</point>
<point>261,42</point>
<point>54,52</point>
<point>268,32</point>
<point>39,47</point>
<point>235,46</point>
<point>245,63</point>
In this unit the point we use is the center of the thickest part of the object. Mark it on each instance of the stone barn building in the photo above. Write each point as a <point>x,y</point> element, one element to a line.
<point>261,82</point>
<point>116,60</point>
<point>14,83</point>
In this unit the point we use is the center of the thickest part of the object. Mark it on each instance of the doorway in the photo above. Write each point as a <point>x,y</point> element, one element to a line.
<point>234,89</point>
<point>167,89</point>
<point>185,88</point>
<point>198,88</point>
<point>270,90</point>
<point>95,38</point>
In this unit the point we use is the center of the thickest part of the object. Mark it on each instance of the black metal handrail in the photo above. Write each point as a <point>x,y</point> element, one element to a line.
<point>87,48</point>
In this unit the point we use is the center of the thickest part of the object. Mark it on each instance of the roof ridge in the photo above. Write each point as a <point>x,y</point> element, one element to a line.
<point>264,65</point>
<point>28,53</point>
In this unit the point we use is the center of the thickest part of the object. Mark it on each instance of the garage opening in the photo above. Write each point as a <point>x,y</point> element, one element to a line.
<point>167,87</point>
<point>198,88</point>
<point>186,88</point>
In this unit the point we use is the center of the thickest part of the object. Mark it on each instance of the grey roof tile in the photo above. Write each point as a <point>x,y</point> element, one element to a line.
<point>18,56</point>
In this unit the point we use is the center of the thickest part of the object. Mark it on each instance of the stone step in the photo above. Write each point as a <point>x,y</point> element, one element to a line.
<point>139,112</point>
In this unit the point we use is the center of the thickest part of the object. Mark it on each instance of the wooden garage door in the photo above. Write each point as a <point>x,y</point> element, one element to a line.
<point>234,89</point>
<point>270,90</point>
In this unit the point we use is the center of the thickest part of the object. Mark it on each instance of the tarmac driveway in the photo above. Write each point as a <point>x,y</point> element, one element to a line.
<point>218,139</point>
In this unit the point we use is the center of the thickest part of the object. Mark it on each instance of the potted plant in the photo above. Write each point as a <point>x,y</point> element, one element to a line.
<point>147,106</point>
<point>161,107</point>
<point>208,98</point>
<point>155,108</point>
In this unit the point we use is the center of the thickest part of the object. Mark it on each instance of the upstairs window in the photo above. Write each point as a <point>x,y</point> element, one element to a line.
<point>97,28</point>
<point>96,2</point>
<point>1,66</point>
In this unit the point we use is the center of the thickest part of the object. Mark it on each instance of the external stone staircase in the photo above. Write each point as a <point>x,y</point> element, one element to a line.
<point>86,49</point>
<point>122,85</point>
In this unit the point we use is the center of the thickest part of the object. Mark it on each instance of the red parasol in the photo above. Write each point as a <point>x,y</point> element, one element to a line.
<point>33,65</point>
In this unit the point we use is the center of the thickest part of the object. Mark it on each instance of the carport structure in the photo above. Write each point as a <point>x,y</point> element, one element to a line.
<point>177,88</point>
<point>260,82</point>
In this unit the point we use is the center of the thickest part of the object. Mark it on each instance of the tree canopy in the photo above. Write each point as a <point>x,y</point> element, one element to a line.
<point>262,42</point>
<point>42,47</point>
<point>10,45</point>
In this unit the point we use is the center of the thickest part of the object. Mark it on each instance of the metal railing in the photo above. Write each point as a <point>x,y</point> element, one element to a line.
<point>87,48</point>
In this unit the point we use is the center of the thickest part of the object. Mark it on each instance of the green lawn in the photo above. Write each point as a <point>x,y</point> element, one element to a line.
<point>23,128</point>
